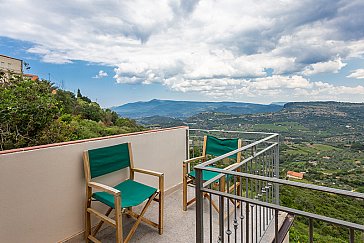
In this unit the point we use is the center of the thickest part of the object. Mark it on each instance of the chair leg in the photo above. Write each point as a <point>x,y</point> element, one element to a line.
<point>88,226</point>
<point>238,192</point>
<point>184,199</point>
<point>191,201</point>
<point>145,220</point>
<point>129,209</point>
<point>98,227</point>
<point>118,220</point>
<point>212,202</point>
<point>87,214</point>
<point>161,205</point>
<point>132,231</point>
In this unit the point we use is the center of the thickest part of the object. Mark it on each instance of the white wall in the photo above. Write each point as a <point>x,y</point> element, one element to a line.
<point>42,191</point>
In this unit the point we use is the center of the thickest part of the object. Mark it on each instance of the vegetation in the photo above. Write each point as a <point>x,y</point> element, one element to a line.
<point>323,204</point>
<point>328,166</point>
<point>320,122</point>
<point>325,141</point>
<point>36,112</point>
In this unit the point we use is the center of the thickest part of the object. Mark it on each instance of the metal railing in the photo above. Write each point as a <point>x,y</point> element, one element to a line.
<point>259,157</point>
<point>248,196</point>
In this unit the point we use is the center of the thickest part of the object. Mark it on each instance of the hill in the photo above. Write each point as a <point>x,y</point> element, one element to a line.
<point>160,121</point>
<point>331,122</point>
<point>34,112</point>
<point>324,140</point>
<point>184,109</point>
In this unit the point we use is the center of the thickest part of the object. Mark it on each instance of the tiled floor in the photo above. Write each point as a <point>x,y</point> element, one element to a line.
<point>179,226</point>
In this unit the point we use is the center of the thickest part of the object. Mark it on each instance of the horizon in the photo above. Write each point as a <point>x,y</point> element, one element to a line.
<point>224,101</point>
<point>205,51</point>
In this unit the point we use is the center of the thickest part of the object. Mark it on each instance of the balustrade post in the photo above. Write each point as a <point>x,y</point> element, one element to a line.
<point>199,206</point>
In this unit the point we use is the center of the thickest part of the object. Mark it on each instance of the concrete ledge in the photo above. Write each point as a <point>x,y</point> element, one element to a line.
<point>45,185</point>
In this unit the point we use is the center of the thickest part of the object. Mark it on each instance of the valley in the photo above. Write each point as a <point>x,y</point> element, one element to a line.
<point>323,140</point>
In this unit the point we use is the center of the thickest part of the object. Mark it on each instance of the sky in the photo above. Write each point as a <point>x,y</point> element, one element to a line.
<point>120,51</point>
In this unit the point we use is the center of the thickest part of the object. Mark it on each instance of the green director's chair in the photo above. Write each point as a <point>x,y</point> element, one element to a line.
<point>123,196</point>
<point>214,147</point>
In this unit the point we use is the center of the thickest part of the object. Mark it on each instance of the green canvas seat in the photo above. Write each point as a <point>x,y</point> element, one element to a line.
<point>219,146</point>
<point>206,175</point>
<point>133,193</point>
<point>122,197</point>
<point>214,147</point>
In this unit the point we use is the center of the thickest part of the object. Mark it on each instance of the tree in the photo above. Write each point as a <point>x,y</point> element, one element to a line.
<point>110,117</point>
<point>36,112</point>
<point>26,108</point>
<point>84,98</point>
<point>67,100</point>
<point>26,65</point>
<point>79,95</point>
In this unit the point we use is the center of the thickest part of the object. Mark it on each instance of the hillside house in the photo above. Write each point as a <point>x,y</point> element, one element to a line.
<point>295,175</point>
<point>10,64</point>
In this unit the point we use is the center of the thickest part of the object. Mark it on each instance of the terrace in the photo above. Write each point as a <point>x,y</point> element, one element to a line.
<point>43,191</point>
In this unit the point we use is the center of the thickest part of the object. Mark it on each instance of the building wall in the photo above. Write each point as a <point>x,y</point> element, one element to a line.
<point>10,64</point>
<point>43,190</point>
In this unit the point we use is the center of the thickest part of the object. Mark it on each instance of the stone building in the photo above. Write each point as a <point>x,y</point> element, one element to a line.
<point>10,64</point>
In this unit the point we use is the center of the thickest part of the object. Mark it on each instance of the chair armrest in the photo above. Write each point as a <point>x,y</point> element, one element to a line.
<point>193,159</point>
<point>104,188</point>
<point>152,173</point>
<point>148,172</point>
<point>228,167</point>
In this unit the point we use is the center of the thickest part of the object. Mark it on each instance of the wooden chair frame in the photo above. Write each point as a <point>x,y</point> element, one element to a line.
<point>187,180</point>
<point>158,196</point>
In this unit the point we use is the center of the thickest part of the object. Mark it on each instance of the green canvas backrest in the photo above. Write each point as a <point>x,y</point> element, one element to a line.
<point>217,146</point>
<point>108,159</point>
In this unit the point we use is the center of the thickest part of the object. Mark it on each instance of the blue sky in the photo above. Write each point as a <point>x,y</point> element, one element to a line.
<point>250,51</point>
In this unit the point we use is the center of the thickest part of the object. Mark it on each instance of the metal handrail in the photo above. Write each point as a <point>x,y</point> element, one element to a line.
<point>283,182</point>
<point>203,187</point>
<point>221,157</point>
<point>269,141</point>
<point>241,132</point>
<point>288,210</point>
<point>237,165</point>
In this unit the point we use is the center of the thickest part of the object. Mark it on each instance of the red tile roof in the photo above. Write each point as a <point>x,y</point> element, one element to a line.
<point>295,174</point>
<point>31,76</point>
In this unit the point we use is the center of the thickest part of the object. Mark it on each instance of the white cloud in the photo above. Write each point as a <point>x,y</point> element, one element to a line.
<point>358,74</point>
<point>101,74</point>
<point>332,66</point>
<point>212,47</point>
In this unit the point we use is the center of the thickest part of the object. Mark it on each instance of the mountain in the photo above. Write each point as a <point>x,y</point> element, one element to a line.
<point>279,103</point>
<point>160,121</point>
<point>333,122</point>
<point>184,109</point>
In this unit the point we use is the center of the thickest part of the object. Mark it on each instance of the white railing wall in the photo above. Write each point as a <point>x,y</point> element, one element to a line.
<point>42,190</point>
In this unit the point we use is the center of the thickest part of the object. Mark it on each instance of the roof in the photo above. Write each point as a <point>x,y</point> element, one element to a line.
<point>31,76</point>
<point>11,57</point>
<point>295,174</point>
